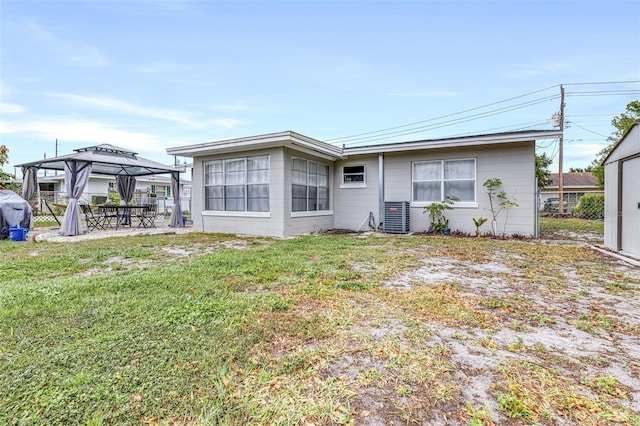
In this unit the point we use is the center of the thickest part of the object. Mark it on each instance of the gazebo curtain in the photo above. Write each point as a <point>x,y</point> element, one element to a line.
<point>29,182</point>
<point>176,212</point>
<point>76,176</point>
<point>126,187</point>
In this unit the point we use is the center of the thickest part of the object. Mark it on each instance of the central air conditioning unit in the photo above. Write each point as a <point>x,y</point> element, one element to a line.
<point>396,217</point>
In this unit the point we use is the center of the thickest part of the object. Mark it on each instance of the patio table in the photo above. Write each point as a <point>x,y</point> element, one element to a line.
<point>120,214</point>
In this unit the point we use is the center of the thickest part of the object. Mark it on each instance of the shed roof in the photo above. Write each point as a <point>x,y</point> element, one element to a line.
<point>106,159</point>
<point>614,154</point>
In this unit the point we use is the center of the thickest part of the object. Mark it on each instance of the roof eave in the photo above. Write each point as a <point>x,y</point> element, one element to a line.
<point>488,139</point>
<point>292,139</point>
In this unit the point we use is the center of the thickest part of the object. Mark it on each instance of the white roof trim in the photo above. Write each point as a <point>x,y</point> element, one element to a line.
<point>333,152</point>
<point>495,138</point>
<point>288,138</point>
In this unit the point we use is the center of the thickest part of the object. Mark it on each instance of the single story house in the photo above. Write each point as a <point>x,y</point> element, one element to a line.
<point>283,184</point>
<point>574,186</point>
<point>622,196</point>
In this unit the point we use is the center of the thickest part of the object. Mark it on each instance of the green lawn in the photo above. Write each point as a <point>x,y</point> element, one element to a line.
<point>216,329</point>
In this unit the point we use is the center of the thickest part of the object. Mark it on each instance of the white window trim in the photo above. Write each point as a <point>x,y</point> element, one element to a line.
<point>241,212</point>
<point>312,213</point>
<point>363,184</point>
<point>222,213</point>
<point>457,204</point>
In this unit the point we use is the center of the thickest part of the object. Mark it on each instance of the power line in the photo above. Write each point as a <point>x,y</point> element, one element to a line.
<point>381,136</point>
<point>520,126</point>
<point>605,93</point>
<point>547,145</point>
<point>584,128</point>
<point>601,82</point>
<point>443,116</point>
<point>420,126</point>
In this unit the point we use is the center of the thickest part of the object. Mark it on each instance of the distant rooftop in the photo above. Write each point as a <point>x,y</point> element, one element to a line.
<point>586,179</point>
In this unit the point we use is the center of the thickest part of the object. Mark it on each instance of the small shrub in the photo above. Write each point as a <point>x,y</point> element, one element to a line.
<point>590,206</point>
<point>114,198</point>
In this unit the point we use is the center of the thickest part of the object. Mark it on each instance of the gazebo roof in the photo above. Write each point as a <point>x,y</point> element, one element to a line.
<point>106,159</point>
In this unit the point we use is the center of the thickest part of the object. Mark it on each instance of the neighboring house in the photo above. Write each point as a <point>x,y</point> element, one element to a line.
<point>622,195</point>
<point>52,189</point>
<point>284,184</point>
<point>574,186</point>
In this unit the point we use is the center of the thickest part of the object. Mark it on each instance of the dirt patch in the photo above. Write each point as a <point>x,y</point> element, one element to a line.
<point>560,332</point>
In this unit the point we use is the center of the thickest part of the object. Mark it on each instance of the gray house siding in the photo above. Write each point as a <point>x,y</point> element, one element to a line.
<point>513,163</point>
<point>509,156</point>
<point>353,203</point>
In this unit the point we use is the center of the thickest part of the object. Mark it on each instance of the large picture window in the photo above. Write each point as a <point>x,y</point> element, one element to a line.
<point>309,185</point>
<point>237,184</point>
<point>434,181</point>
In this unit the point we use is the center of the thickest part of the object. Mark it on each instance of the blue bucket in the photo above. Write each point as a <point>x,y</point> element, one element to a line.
<point>17,233</point>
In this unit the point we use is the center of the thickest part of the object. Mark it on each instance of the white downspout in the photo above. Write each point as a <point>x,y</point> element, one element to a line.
<point>380,188</point>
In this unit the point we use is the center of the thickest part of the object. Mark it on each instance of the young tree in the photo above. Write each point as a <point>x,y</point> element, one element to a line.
<point>542,170</point>
<point>622,123</point>
<point>4,159</point>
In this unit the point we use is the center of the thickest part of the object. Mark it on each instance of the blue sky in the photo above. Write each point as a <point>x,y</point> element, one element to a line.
<point>147,75</point>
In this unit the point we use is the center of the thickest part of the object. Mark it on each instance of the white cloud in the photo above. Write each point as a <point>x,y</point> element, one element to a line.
<point>239,105</point>
<point>427,94</point>
<point>80,54</point>
<point>227,123</point>
<point>121,106</point>
<point>6,108</point>
<point>157,67</point>
<point>85,131</point>
<point>113,104</point>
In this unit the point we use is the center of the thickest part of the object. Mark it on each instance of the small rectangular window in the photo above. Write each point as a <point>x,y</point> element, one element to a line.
<point>353,175</point>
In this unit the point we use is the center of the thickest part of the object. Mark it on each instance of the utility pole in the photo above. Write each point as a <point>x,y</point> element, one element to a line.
<point>560,177</point>
<point>56,153</point>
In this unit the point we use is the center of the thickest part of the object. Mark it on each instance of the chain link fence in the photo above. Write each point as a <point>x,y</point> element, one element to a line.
<point>572,216</point>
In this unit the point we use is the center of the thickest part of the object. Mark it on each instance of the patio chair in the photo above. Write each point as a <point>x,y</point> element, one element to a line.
<point>93,221</point>
<point>109,213</point>
<point>148,216</point>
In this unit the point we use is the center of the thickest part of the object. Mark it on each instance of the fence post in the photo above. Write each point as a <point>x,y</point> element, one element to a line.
<point>536,206</point>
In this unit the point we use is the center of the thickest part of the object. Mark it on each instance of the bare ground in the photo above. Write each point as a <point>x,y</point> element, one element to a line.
<point>542,344</point>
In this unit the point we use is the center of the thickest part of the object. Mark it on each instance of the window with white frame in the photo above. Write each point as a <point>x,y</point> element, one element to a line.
<point>353,176</point>
<point>309,185</point>
<point>237,184</point>
<point>434,181</point>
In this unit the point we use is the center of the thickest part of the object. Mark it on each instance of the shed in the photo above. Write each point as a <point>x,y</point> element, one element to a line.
<point>622,196</point>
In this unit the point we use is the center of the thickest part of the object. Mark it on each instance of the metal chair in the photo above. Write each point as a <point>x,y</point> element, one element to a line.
<point>109,213</point>
<point>93,221</point>
<point>148,216</point>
